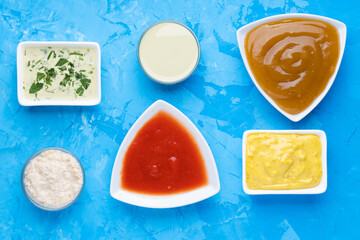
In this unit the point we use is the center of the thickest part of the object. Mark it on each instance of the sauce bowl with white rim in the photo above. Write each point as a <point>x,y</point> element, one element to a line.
<point>168,200</point>
<point>45,102</point>
<point>320,188</point>
<point>33,201</point>
<point>243,31</point>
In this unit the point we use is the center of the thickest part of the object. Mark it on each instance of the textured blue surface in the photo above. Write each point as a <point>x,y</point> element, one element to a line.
<point>219,98</point>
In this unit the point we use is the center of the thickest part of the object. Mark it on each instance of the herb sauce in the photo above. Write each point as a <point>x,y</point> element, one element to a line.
<point>59,73</point>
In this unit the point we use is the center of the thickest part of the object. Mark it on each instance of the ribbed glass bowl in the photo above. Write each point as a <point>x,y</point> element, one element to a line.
<point>33,201</point>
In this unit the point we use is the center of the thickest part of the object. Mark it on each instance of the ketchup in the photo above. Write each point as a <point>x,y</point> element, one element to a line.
<point>163,159</point>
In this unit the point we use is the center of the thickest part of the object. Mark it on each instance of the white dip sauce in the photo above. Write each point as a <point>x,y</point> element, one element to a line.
<point>59,73</point>
<point>168,52</point>
<point>53,179</point>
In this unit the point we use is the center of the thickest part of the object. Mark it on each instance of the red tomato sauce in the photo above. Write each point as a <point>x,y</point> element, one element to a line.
<point>163,159</point>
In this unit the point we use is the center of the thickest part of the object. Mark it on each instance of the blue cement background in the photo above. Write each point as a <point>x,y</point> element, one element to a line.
<point>219,98</point>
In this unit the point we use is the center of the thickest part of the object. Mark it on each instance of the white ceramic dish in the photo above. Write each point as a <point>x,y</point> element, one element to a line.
<point>27,102</point>
<point>164,201</point>
<point>321,188</point>
<point>242,32</point>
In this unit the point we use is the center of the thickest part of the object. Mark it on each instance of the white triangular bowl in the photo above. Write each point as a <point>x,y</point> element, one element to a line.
<point>241,34</point>
<point>171,200</point>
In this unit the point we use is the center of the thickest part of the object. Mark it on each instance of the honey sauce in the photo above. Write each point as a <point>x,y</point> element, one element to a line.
<point>293,59</point>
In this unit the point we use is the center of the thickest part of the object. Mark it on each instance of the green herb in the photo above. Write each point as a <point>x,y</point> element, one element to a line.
<point>71,64</point>
<point>85,82</point>
<point>41,67</point>
<point>48,80</point>
<point>25,53</point>
<point>62,68</point>
<point>62,51</point>
<point>52,52</point>
<point>80,91</point>
<point>61,62</point>
<point>79,75</point>
<point>75,53</point>
<point>71,71</point>
<point>65,80</point>
<point>91,72</point>
<point>82,71</point>
<point>40,76</point>
<point>37,62</point>
<point>81,58</point>
<point>28,64</point>
<point>51,72</point>
<point>35,87</point>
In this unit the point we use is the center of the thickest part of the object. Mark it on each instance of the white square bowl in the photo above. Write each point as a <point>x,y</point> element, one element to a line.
<point>20,74</point>
<point>321,188</point>
<point>170,200</point>
<point>242,32</point>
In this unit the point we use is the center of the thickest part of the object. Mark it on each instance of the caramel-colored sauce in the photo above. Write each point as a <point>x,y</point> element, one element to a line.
<point>293,59</point>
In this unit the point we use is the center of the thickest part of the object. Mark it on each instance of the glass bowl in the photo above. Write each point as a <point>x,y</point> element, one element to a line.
<point>33,201</point>
<point>159,80</point>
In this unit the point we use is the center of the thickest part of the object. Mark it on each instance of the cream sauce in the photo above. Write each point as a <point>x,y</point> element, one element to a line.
<point>168,52</point>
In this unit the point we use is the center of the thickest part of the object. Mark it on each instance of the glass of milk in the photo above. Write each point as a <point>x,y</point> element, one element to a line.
<point>168,52</point>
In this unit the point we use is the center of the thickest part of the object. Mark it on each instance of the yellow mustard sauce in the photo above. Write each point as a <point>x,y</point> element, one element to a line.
<point>283,161</point>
